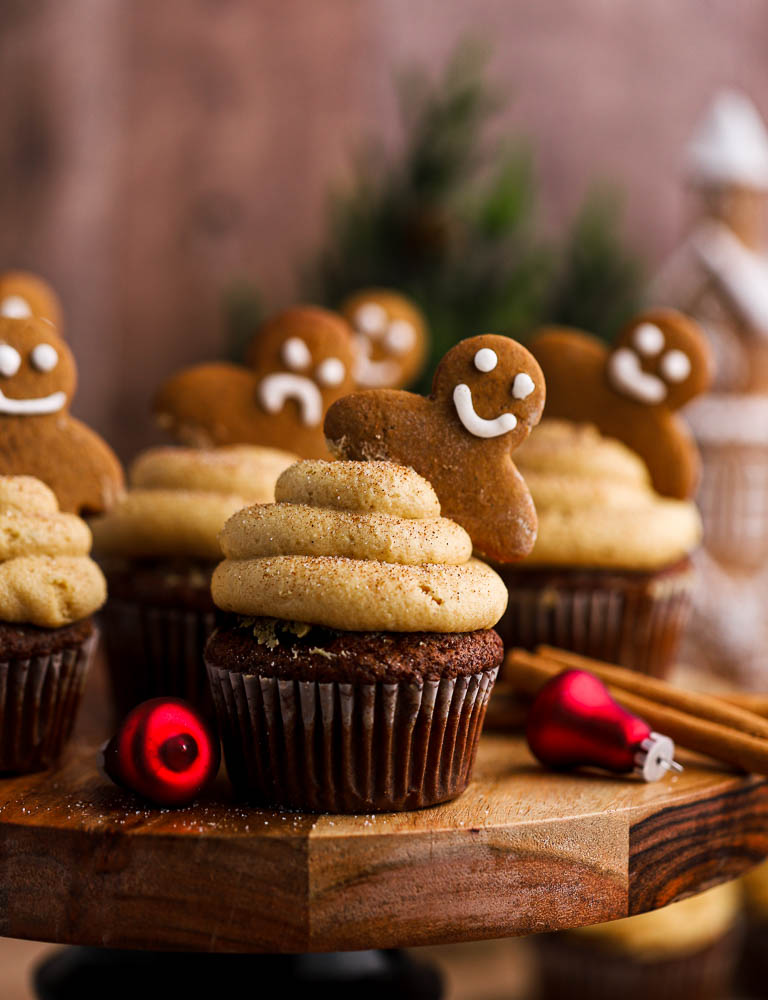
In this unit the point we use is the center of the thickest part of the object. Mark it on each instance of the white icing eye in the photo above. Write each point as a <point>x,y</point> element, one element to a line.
<point>486,360</point>
<point>330,372</point>
<point>10,360</point>
<point>400,336</point>
<point>675,366</point>
<point>44,357</point>
<point>15,307</point>
<point>296,354</point>
<point>648,339</point>
<point>523,385</point>
<point>371,319</point>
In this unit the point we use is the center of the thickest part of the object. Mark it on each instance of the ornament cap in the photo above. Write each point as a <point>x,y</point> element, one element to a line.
<point>656,757</point>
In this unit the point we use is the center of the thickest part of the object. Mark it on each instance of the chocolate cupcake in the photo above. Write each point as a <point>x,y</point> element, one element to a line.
<point>355,667</point>
<point>686,950</point>
<point>158,548</point>
<point>610,575</point>
<point>49,589</point>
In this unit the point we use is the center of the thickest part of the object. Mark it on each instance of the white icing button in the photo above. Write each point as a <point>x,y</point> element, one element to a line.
<point>44,357</point>
<point>486,360</point>
<point>330,372</point>
<point>648,339</point>
<point>523,385</point>
<point>10,360</point>
<point>296,354</point>
<point>15,307</point>
<point>400,336</point>
<point>371,319</point>
<point>675,366</point>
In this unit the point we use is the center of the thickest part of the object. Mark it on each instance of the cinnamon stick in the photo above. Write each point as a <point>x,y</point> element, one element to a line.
<point>696,703</point>
<point>529,672</point>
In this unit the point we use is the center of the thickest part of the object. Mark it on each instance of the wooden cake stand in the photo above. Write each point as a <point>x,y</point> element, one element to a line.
<point>521,851</point>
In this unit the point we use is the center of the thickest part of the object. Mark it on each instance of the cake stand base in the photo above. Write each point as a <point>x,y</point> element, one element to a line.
<point>93,973</point>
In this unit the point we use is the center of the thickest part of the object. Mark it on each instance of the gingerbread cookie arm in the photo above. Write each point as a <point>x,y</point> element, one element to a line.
<point>92,480</point>
<point>204,405</point>
<point>573,364</point>
<point>360,427</point>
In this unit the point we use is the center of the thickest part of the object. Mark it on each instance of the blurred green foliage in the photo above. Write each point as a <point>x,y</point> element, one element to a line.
<point>452,220</point>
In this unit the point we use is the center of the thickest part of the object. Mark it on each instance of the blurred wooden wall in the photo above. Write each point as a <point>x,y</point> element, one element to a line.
<point>153,152</point>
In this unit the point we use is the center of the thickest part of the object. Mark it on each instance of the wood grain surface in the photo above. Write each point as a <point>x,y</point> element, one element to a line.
<point>521,851</point>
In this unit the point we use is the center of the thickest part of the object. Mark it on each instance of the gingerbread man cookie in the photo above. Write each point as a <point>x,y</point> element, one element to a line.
<point>38,437</point>
<point>23,295</point>
<point>631,392</point>
<point>392,338</point>
<point>487,394</point>
<point>298,363</point>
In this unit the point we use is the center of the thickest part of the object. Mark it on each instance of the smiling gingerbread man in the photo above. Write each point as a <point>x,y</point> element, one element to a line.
<point>38,437</point>
<point>298,363</point>
<point>660,361</point>
<point>392,338</point>
<point>487,394</point>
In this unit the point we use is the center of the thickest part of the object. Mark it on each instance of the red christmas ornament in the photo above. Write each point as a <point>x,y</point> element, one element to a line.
<point>164,751</point>
<point>574,721</point>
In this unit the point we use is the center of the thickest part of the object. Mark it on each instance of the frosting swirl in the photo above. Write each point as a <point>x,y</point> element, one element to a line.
<point>332,553</point>
<point>46,576</point>
<point>180,498</point>
<point>596,506</point>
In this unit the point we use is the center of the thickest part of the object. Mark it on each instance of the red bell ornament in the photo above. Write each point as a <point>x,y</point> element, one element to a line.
<point>164,751</point>
<point>574,722</point>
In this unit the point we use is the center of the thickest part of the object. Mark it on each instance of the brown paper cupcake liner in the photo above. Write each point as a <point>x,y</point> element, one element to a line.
<point>154,651</point>
<point>349,748</point>
<point>733,499</point>
<point>569,968</point>
<point>635,622</point>
<point>39,699</point>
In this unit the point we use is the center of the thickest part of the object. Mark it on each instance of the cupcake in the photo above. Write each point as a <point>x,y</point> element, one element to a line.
<point>158,548</point>
<point>610,574</point>
<point>686,950</point>
<point>49,589</point>
<point>354,667</point>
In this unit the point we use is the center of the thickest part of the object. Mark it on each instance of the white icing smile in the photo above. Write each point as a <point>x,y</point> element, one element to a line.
<point>275,389</point>
<point>32,407</point>
<point>473,422</point>
<point>374,374</point>
<point>627,376</point>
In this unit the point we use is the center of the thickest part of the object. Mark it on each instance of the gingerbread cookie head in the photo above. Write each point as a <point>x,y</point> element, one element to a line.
<point>37,370</point>
<point>392,338</point>
<point>660,359</point>
<point>23,295</point>
<point>493,386</point>
<point>303,360</point>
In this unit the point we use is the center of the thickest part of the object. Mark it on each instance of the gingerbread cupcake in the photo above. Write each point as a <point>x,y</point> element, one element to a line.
<point>158,548</point>
<point>610,574</point>
<point>612,471</point>
<point>686,950</point>
<point>353,671</point>
<point>49,589</point>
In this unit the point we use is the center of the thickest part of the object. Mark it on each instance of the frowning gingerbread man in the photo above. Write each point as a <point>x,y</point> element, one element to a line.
<point>633,391</point>
<point>297,364</point>
<point>487,394</point>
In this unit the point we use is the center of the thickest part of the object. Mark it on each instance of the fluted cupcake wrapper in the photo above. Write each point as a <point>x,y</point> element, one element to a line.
<point>733,499</point>
<point>39,699</point>
<point>349,748</point>
<point>571,968</point>
<point>154,651</point>
<point>635,624</point>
